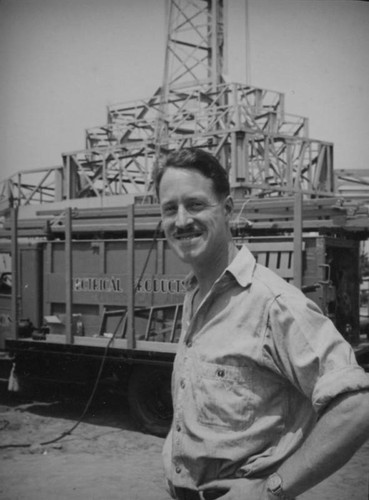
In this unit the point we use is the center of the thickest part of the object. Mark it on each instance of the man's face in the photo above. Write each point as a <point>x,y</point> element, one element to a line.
<point>195,220</point>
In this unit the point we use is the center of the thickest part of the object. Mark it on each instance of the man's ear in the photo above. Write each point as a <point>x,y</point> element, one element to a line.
<point>228,206</point>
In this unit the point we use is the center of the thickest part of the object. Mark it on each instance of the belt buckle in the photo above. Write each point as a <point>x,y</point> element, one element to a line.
<point>212,494</point>
<point>187,494</point>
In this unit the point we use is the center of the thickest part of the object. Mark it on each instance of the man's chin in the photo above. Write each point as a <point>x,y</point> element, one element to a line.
<point>186,252</point>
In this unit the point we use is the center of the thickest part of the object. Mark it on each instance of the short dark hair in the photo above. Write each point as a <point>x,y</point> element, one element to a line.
<point>195,159</point>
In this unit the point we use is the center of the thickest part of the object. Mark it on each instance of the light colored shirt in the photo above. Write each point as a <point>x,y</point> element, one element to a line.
<point>256,365</point>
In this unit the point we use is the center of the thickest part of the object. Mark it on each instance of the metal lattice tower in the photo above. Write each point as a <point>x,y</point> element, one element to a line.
<point>195,44</point>
<point>266,151</point>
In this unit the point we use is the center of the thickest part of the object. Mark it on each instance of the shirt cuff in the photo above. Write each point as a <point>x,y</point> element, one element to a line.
<point>329,386</point>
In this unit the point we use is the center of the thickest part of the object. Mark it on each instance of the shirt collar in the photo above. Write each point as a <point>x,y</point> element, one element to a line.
<point>190,282</point>
<point>241,268</point>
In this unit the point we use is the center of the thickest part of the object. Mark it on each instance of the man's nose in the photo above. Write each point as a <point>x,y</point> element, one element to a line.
<point>183,218</point>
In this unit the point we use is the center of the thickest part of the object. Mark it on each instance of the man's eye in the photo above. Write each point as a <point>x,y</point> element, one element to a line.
<point>169,210</point>
<point>196,206</point>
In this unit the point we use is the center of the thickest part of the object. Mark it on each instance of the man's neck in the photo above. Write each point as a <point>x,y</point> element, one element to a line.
<point>208,273</point>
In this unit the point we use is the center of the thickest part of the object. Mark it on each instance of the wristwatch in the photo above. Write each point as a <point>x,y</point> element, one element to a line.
<point>275,488</point>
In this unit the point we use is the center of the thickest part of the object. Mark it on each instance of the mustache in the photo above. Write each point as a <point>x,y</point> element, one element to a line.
<point>185,231</point>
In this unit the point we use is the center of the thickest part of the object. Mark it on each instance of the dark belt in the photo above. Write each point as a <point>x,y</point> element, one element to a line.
<point>187,494</point>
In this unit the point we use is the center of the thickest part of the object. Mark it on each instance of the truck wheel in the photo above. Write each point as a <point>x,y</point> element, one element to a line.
<point>150,400</point>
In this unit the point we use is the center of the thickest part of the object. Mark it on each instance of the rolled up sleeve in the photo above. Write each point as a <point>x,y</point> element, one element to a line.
<point>332,384</point>
<point>311,353</point>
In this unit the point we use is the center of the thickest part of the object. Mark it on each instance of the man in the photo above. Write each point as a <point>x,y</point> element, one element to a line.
<point>268,398</point>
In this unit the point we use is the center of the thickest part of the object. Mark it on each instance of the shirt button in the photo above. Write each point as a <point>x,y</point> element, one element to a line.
<point>178,469</point>
<point>178,428</point>
<point>220,372</point>
<point>183,384</point>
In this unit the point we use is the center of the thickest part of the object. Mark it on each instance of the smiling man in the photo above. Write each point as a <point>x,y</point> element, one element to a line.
<point>195,218</point>
<point>268,398</point>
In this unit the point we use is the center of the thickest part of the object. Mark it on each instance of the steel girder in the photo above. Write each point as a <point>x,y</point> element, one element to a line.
<point>353,184</point>
<point>195,110</point>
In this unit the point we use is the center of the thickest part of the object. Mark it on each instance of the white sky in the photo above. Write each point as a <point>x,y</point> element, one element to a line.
<point>63,61</point>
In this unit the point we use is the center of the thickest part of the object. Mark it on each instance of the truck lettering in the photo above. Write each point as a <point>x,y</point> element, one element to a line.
<point>160,285</point>
<point>97,285</point>
<point>114,285</point>
<point>115,282</point>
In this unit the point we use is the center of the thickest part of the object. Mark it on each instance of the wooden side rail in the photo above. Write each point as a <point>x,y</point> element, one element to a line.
<point>277,256</point>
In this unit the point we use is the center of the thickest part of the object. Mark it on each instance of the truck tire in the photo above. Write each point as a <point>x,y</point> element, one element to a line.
<point>149,397</point>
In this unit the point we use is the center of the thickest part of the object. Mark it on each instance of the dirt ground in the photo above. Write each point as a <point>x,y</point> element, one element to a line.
<point>106,456</point>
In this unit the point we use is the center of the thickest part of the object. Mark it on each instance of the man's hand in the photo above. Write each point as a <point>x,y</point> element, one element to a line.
<point>235,489</point>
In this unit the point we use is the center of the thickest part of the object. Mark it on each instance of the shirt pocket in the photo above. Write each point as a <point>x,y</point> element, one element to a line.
<point>223,396</point>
